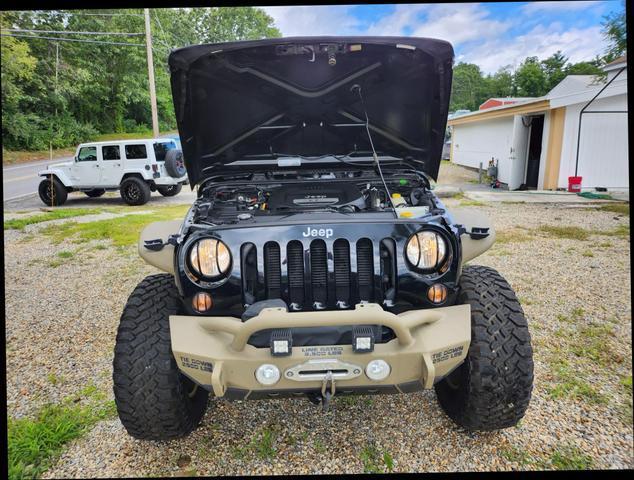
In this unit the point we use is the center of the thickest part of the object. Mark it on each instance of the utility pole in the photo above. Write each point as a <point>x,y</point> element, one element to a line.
<point>50,143</point>
<point>150,69</point>
<point>56,64</point>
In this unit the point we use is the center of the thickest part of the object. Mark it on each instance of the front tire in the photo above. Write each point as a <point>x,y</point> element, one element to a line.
<point>492,388</point>
<point>52,192</point>
<point>135,191</point>
<point>155,401</point>
<point>170,190</point>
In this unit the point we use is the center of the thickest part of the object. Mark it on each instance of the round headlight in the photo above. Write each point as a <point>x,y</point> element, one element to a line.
<point>210,258</point>
<point>426,250</point>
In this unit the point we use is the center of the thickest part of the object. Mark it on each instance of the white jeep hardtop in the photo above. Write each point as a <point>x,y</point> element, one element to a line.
<point>134,167</point>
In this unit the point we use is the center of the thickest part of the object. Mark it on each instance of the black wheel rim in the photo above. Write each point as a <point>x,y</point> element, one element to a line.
<point>180,166</point>
<point>48,194</point>
<point>133,192</point>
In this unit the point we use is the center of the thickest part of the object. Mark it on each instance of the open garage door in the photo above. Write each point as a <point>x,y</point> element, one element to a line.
<point>519,151</point>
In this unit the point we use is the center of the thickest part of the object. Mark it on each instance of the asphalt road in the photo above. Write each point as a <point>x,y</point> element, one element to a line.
<point>20,180</point>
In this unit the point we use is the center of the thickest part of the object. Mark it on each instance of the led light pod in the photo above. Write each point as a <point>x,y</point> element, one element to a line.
<point>377,370</point>
<point>267,374</point>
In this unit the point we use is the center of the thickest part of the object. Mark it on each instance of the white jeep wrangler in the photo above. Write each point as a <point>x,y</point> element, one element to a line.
<point>134,167</point>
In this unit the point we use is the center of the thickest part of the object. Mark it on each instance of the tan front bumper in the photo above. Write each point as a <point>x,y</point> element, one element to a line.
<point>213,351</point>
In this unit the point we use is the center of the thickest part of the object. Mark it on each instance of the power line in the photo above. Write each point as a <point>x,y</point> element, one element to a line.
<point>161,48</point>
<point>91,14</point>
<point>72,40</point>
<point>162,41</point>
<point>66,32</point>
<point>164,34</point>
<point>105,14</point>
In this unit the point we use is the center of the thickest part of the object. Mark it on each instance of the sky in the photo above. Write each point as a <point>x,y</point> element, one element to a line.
<point>491,35</point>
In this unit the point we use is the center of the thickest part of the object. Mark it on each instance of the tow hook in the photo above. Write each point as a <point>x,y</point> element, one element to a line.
<point>327,391</point>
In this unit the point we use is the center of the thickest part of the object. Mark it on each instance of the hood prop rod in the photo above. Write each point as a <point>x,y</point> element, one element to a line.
<point>357,88</point>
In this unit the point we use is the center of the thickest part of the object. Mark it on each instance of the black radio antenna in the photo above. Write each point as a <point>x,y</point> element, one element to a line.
<point>357,88</point>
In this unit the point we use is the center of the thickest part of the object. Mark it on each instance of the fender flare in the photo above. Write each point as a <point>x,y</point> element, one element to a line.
<point>137,172</point>
<point>471,218</point>
<point>59,174</point>
<point>164,258</point>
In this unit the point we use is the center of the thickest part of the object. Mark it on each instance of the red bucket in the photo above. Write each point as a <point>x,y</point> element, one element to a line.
<point>574,184</point>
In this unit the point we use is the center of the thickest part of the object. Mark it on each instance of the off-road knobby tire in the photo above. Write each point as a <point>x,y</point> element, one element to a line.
<point>170,190</point>
<point>58,190</point>
<point>492,388</point>
<point>135,191</point>
<point>174,163</point>
<point>152,395</point>
<point>95,192</point>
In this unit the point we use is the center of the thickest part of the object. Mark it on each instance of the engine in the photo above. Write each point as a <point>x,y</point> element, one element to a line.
<point>316,196</point>
<point>277,194</point>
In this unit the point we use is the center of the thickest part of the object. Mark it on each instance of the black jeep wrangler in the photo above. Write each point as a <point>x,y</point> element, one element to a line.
<point>316,259</point>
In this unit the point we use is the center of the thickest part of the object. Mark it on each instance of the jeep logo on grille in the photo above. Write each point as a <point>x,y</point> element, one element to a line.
<point>321,232</point>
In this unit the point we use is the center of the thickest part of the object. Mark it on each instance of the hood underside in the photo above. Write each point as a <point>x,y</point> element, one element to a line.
<point>302,97</point>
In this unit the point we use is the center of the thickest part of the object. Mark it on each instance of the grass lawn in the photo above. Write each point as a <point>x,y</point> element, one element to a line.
<point>11,157</point>
<point>122,231</point>
<point>20,223</point>
<point>34,443</point>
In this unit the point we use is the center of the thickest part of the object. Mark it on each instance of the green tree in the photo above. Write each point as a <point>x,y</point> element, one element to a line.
<point>530,78</point>
<point>614,32</point>
<point>18,69</point>
<point>102,88</point>
<point>500,84</point>
<point>554,69</point>
<point>583,68</point>
<point>219,24</point>
<point>468,88</point>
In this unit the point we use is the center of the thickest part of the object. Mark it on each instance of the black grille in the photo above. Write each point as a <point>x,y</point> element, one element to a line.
<point>295,265</point>
<point>272,270</point>
<point>365,269</point>
<point>342,271</point>
<point>319,273</point>
<point>249,266</point>
<point>387,251</point>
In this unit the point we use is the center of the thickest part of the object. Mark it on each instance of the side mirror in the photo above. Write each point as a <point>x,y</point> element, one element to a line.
<point>76,159</point>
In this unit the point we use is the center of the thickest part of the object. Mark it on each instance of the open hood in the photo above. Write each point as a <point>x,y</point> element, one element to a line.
<point>297,97</point>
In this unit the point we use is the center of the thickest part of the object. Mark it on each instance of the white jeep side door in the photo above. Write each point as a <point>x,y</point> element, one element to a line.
<point>137,156</point>
<point>111,165</point>
<point>86,171</point>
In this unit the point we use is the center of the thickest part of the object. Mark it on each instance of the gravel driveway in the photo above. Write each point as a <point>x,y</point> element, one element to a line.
<point>62,320</point>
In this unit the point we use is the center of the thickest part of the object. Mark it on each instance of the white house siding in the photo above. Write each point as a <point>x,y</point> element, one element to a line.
<point>603,152</point>
<point>479,141</point>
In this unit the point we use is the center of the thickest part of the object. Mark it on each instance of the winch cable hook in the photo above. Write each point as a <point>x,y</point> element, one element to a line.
<point>327,391</point>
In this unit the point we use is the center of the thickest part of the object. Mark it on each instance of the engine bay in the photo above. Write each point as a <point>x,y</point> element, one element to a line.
<point>276,194</point>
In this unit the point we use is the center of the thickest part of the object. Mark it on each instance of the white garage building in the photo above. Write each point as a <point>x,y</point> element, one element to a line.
<point>534,142</point>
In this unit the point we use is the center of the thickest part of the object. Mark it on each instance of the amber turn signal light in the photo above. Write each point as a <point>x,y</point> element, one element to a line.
<point>437,293</point>
<point>202,302</point>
